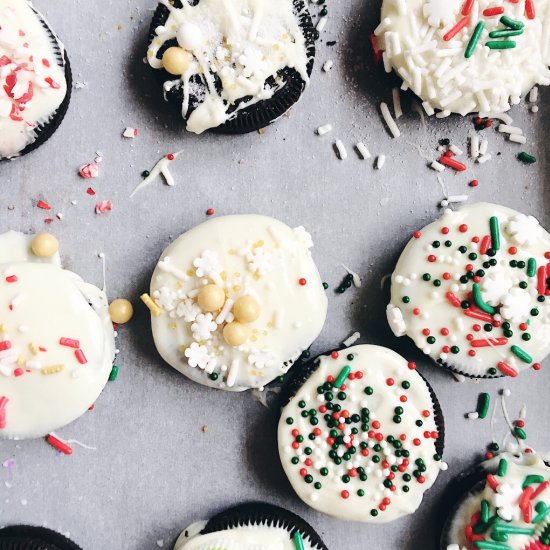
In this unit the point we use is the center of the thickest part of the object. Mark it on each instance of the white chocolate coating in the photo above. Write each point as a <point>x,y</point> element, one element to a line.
<point>244,42</point>
<point>462,340</point>
<point>395,384</point>
<point>491,80</point>
<point>31,70</point>
<point>46,385</point>
<point>504,503</point>
<point>245,255</point>
<point>249,537</point>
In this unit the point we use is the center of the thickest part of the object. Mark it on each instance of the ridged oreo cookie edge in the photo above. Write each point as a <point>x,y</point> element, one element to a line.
<point>28,537</point>
<point>261,513</point>
<point>264,112</point>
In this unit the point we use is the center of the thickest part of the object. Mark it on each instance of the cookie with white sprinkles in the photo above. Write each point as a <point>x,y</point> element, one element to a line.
<point>464,56</point>
<point>236,300</point>
<point>473,291</point>
<point>503,506</point>
<point>35,79</point>
<point>231,66</point>
<point>361,437</point>
<point>56,339</point>
<point>251,526</point>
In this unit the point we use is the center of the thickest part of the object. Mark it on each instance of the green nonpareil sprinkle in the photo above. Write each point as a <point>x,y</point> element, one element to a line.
<point>500,44</point>
<point>502,467</point>
<point>483,406</point>
<point>298,541</point>
<point>511,23</point>
<point>503,33</point>
<point>474,40</point>
<point>513,529</point>
<point>531,267</point>
<point>520,433</point>
<point>490,545</point>
<point>527,158</point>
<point>476,292</point>
<point>342,376</point>
<point>521,354</point>
<point>495,233</point>
<point>114,373</point>
<point>532,479</point>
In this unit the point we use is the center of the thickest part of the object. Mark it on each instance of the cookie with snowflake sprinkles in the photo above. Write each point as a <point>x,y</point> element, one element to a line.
<point>465,56</point>
<point>504,505</point>
<point>35,79</point>
<point>249,527</point>
<point>236,300</point>
<point>361,437</point>
<point>233,67</point>
<point>57,340</point>
<point>27,537</point>
<point>473,291</point>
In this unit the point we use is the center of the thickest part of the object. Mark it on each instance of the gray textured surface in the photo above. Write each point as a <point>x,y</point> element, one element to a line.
<point>154,469</point>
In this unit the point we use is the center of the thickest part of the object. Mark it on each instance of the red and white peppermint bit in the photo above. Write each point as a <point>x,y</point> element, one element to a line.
<point>130,132</point>
<point>103,207</point>
<point>89,171</point>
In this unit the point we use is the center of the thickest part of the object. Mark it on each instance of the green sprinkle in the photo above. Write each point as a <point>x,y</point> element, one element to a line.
<point>474,40</point>
<point>542,515</point>
<point>531,267</point>
<point>532,479</point>
<point>483,406</point>
<point>298,541</point>
<point>342,376</point>
<point>478,299</point>
<point>527,158</point>
<point>500,44</point>
<point>511,23</point>
<point>520,433</point>
<point>495,233</point>
<point>513,529</point>
<point>502,467</point>
<point>114,374</point>
<point>485,511</point>
<point>502,33</point>
<point>488,545</point>
<point>325,285</point>
<point>521,354</point>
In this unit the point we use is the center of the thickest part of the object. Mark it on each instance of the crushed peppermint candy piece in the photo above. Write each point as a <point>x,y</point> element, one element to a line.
<point>103,207</point>
<point>130,132</point>
<point>88,171</point>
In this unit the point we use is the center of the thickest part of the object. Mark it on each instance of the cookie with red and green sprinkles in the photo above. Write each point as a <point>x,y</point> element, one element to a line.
<point>506,508</point>
<point>361,437</point>
<point>473,291</point>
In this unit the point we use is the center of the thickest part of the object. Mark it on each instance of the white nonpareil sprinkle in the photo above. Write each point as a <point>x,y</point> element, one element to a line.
<point>321,24</point>
<point>380,161</point>
<point>328,65</point>
<point>324,129</point>
<point>534,94</point>
<point>340,147</point>
<point>351,339</point>
<point>389,120</point>
<point>396,97</point>
<point>453,547</point>
<point>484,158</point>
<point>362,150</point>
<point>483,146</point>
<point>517,138</point>
<point>473,415</point>
<point>456,150</point>
<point>437,166</point>
<point>474,147</point>
<point>507,129</point>
<point>535,109</point>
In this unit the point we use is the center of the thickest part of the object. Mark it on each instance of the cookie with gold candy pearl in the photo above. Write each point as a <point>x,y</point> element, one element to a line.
<point>472,290</point>
<point>361,435</point>
<point>255,71</point>
<point>57,340</point>
<point>236,300</point>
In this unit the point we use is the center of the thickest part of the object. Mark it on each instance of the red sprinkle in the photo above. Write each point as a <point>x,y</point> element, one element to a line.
<point>490,12</point>
<point>61,446</point>
<point>530,9</point>
<point>43,205</point>
<point>457,28</point>
<point>506,369</point>
<point>4,345</point>
<point>453,163</point>
<point>474,183</point>
<point>417,234</point>
<point>302,282</point>
<point>463,228</point>
<point>80,356</point>
<point>11,279</point>
<point>345,494</point>
<point>210,212</point>
<point>69,342</point>
<point>411,365</point>
<point>170,156</point>
<point>334,355</point>
<point>467,8</point>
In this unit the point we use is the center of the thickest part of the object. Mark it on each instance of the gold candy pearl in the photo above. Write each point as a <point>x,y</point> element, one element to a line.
<point>176,60</point>
<point>121,311</point>
<point>235,334</point>
<point>246,309</point>
<point>211,298</point>
<point>44,245</point>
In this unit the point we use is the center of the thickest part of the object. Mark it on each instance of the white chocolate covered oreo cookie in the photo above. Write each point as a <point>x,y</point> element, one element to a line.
<point>464,56</point>
<point>472,291</point>
<point>56,339</point>
<point>361,437</point>
<point>236,300</point>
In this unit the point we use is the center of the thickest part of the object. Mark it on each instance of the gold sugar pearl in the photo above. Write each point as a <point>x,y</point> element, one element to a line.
<point>235,334</point>
<point>176,60</point>
<point>211,298</point>
<point>121,311</point>
<point>44,245</point>
<point>246,309</point>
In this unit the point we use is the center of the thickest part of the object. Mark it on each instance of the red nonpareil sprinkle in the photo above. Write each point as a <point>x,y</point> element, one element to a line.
<point>69,342</point>
<point>170,156</point>
<point>467,7</point>
<point>411,365</point>
<point>3,403</point>
<point>426,413</point>
<point>11,279</point>
<point>210,212</point>
<point>302,282</point>
<point>90,191</point>
<point>453,163</point>
<point>474,183</point>
<point>417,442</point>
<point>520,423</point>
<point>4,345</point>
<point>59,445</point>
<point>506,369</point>
<point>345,494</point>
<point>43,205</point>
<point>456,29</point>
<point>432,258</point>
<point>463,228</point>
<point>530,9</point>
<point>491,12</point>
<point>81,358</point>
<point>334,355</point>
<point>18,371</point>
<point>488,123</point>
<point>417,234</point>
<point>390,381</point>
